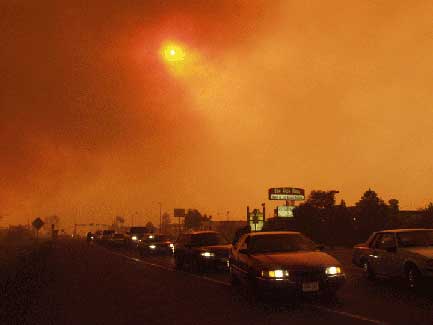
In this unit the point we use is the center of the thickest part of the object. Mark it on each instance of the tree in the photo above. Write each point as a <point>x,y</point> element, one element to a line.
<point>316,217</point>
<point>394,209</point>
<point>427,216</point>
<point>393,205</point>
<point>150,227</point>
<point>372,214</point>
<point>323,221</point>
<point>342,227</point>
<point>193,219</point>
<point>321,199</point>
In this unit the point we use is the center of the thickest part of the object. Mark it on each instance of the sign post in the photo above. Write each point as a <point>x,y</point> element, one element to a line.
<point>179,213</point>
<point>37,224</point>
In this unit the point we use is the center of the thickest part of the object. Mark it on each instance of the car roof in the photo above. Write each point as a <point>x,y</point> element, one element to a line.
<point>406,230</point>
<point>262,233</point>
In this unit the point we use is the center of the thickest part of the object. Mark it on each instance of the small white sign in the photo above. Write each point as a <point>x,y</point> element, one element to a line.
<point>285,211</point>
<point>288,197</point>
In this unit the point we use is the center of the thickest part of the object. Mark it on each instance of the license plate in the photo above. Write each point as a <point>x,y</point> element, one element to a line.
<point>310,286</point>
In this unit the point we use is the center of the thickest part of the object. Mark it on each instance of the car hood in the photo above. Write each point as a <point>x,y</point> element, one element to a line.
<point>295,259</point>
<point>423,251</point>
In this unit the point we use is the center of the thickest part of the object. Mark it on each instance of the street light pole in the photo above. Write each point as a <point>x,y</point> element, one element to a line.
<point>160,217</point>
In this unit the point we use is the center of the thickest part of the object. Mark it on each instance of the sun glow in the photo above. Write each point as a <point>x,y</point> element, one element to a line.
<point>173,53</point>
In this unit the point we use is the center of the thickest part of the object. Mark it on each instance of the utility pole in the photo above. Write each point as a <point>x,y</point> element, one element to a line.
<point>160,217</point>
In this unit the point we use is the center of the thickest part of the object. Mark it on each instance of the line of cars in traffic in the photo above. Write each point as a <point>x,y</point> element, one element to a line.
<point>146,243</point>
<point>288,261</point>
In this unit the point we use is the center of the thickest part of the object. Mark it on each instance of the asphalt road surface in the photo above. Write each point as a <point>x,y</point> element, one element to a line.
<point>96,285</point>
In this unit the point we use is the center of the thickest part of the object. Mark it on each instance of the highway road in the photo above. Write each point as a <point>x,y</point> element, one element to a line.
<point>96,285</point>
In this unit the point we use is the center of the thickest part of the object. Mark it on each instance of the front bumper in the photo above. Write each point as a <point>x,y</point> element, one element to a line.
<point>325,284</point>
<point>218,263</point>
<point>117,243</point>
<point>157,250</point>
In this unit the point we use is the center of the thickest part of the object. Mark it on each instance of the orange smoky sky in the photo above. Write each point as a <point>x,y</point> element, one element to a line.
<point>331,95</point>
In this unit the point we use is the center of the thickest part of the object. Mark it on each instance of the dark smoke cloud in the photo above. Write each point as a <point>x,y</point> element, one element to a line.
<point>74,103</point>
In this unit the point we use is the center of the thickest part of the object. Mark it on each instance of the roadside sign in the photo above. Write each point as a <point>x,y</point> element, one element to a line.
<point>179,213</point>
<point>285,211</point>
<point>286,193</point>
<point>256,220</point>
<point>37,223</point>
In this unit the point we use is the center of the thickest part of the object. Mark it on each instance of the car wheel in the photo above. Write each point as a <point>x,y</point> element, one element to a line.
<point>368,272</point>
<point>413,277</point>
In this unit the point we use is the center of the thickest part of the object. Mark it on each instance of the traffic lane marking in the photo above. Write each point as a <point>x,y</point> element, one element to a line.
<point>170,269</point>
<point>347,314</point>
<point>227,284</point>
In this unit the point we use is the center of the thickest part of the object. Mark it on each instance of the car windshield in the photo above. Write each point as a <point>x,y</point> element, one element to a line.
<point>415,238</point>
<point>280,243</point>
<point>208,239</point>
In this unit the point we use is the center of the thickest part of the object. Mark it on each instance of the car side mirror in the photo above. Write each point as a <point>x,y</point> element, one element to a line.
<point>391,249</point>
<point>244,251</point>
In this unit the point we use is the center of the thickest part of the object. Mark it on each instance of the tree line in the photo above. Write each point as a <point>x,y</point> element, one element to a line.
<point>321,219</point>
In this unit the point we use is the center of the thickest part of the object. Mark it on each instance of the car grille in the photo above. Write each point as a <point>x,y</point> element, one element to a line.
<point>307,275</point>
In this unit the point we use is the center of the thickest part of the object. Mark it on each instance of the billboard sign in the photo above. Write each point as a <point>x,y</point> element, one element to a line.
<point>286,193</point>
<point>179,213</point>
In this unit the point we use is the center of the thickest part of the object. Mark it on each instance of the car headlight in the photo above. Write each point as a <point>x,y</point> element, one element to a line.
<point>134,238</point>
<point>171,245</point>
<point>275,274</point>
<point>207,254</point>
<point>333,270</point>
<point>152,246</point>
